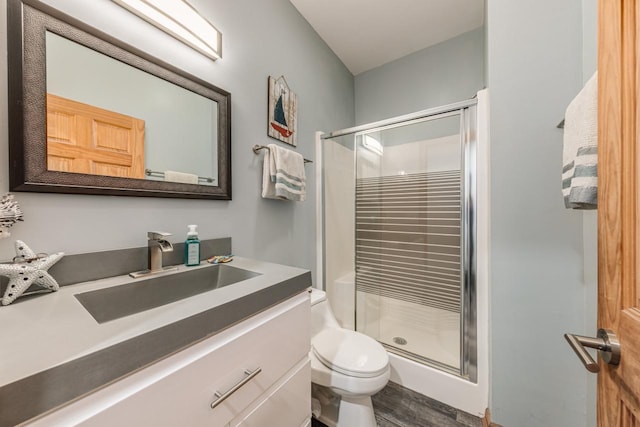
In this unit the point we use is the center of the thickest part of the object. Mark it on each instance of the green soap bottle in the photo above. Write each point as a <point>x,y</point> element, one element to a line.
<point>192,247</point>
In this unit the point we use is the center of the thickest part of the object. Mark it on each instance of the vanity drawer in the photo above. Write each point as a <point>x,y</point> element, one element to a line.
<point>179,390</point>
<point>287,405</point>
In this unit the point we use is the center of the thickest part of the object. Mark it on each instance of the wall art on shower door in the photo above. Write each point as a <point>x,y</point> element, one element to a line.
<point>283,112</point>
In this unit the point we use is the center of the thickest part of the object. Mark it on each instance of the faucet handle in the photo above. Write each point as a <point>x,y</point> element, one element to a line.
<point>157,235</point>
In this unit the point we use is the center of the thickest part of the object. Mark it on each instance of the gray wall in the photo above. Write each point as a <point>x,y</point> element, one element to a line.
<point>589,38</point>
<point>262,38</point>
<point>537,290</point>
<point>448,72</point>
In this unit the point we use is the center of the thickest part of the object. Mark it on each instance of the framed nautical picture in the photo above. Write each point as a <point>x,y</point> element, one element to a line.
<point>283,112</point>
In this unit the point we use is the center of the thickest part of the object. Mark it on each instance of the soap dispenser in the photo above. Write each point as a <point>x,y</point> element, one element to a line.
<point>192,247</point>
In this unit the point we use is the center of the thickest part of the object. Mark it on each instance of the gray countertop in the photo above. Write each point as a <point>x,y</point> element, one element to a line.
<point>52,343</point>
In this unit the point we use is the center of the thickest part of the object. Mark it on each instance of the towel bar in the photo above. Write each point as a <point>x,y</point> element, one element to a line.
<point>257,148</point>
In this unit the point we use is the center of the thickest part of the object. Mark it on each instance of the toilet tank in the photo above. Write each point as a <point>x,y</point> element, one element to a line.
<point>321,314</point>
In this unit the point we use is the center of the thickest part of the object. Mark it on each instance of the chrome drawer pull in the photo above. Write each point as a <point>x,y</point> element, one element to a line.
<point>221,397</point>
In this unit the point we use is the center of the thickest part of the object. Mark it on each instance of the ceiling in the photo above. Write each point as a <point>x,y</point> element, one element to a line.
<point>368,33</point>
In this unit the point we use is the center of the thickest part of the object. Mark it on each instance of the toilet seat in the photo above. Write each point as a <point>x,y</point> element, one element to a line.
<point>350,353</point>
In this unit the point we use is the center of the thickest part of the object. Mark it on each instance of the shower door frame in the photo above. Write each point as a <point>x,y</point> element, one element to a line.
<point>467,110</point>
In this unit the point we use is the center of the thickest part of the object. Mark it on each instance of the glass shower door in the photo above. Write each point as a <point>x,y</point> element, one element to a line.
<point>410,238</point>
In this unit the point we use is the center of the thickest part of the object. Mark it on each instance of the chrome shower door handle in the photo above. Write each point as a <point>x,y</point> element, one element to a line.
<point>606,343</point>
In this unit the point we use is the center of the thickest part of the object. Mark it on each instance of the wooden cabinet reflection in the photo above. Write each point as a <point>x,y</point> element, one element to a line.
<point>82,138</point>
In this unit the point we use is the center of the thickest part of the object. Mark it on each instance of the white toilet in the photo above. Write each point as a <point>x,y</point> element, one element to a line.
<point>353,365</point>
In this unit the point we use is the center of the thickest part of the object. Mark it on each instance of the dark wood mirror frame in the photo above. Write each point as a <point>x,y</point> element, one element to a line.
<point>27,23</point>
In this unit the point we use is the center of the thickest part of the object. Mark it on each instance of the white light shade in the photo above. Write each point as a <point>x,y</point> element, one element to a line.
<point>178,19</point>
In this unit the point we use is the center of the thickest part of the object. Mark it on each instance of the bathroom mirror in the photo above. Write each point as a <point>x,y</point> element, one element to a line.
<point>89,114</point>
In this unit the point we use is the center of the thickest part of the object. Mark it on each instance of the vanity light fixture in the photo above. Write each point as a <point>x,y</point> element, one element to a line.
<point>180,20</point>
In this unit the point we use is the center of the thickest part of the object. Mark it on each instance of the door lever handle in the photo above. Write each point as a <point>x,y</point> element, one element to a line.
<point>606,343</point>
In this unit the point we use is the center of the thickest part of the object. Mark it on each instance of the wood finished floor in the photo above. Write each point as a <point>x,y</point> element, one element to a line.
<point>396,406</point>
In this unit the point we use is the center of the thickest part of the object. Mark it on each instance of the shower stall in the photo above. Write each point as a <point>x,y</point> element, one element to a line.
<point>403,208</point>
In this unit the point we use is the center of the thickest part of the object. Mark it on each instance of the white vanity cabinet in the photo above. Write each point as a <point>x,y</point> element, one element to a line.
<point>180,389</point>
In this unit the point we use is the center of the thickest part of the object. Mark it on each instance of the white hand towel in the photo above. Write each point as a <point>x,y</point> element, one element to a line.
<point>580,151</point>
<point>187,178</point>
<point>283,175</point>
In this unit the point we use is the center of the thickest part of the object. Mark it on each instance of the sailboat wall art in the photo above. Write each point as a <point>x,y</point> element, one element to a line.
<point>283,112</point>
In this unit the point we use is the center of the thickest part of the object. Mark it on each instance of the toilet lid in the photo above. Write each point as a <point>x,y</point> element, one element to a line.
<point>350,353</point>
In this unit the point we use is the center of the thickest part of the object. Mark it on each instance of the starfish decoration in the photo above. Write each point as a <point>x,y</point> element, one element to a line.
<point>31,269</point>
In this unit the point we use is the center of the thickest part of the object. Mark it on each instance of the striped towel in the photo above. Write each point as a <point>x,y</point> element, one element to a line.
<point>580,153</point>
<point>283,176</point>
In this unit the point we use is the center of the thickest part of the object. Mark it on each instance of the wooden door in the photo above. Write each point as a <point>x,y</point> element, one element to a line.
<point>618,209</point>
<point>82,138</point>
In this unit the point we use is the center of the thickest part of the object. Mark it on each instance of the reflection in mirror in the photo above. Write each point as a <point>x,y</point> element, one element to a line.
<point>89,114</point>
<point>105,117</point>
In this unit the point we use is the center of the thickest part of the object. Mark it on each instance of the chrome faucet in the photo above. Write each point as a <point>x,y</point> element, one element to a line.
<point>158,244</point>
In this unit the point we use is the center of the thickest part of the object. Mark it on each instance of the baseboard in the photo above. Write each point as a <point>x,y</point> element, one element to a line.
<point>486,421</point>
